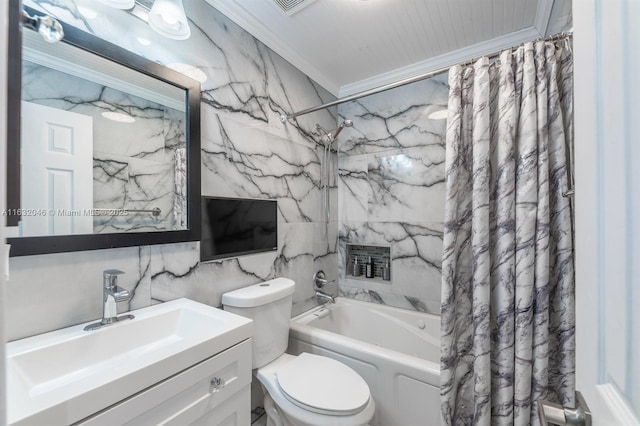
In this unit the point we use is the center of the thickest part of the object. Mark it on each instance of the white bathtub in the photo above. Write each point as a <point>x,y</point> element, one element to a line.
<point>395,350</point>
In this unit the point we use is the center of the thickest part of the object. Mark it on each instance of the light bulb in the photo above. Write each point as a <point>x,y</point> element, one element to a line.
<point>168,18</point>
<point>50,29</point>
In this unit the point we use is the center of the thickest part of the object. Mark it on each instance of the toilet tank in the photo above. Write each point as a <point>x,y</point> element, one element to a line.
<point>268,304</point>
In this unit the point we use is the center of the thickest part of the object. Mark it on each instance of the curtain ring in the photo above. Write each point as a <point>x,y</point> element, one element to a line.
<point>568,45</point>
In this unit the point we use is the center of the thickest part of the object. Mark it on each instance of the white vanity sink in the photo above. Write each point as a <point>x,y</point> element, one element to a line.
<point>69,374</point>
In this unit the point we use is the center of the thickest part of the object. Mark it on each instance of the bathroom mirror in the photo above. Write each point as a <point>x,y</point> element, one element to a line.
<point>109,148</point>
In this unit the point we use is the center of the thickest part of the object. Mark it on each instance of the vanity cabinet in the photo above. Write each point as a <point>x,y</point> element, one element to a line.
<point>215,391</point>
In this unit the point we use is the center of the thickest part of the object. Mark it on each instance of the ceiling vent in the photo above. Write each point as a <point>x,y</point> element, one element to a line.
<point>292,6</point>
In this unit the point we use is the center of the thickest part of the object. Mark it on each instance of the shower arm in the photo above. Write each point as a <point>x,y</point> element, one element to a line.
<point>337,132</point>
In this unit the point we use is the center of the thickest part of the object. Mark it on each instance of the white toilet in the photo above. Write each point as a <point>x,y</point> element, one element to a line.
<point>303,390</point>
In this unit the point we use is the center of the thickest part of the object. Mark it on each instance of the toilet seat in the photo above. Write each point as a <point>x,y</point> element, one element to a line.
<point>322,385</point>
<point>302,414</point>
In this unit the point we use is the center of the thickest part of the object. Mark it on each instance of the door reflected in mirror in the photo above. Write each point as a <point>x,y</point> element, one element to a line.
<point>110,149</point>
<point>103,147</point>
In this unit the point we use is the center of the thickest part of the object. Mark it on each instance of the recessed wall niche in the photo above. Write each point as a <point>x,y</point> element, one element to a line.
<point>380,257</point>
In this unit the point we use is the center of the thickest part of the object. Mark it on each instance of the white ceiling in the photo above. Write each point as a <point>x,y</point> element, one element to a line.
<point>352,45</point>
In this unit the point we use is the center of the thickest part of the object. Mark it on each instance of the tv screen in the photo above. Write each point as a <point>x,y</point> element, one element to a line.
<point>236,226</point>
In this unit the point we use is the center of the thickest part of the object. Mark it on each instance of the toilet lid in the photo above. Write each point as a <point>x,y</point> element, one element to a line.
<point>323,385</point>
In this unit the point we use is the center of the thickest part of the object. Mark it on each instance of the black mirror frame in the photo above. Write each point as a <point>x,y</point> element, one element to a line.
<point>26,246</point>
<point>14,87</point>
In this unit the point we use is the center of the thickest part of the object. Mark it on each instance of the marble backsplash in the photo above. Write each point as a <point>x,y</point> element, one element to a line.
<point>246,152</point>
<point>391,192</point>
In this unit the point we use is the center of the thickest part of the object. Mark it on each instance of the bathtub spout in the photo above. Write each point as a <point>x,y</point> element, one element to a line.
<point>324,297</point>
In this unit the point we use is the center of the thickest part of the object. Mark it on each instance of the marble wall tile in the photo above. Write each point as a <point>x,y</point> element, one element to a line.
<point>301,259</point>
<point>396,118</point>
<point>246,152</point>
<point>397,185</point>
<point>391,191</point>
<point>175,131</point>
<point>406,185</point>
<point>353,188</point>
<point>110,180</point>
<point>176,271</point>
<point>235,63</point>
<point>416,254</point>
<point>291,91</point>
<point>53,291</point>
<point>386,298</point>
<point>240,161</point>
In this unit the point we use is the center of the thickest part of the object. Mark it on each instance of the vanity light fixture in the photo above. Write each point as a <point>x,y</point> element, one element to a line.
<point>167,17</point>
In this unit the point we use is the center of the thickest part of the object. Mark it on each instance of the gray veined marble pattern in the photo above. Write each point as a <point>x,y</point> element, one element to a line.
<point>249,82</point>
<point>391,191</point>
<point>134,163</point>
<point>406,185</point>
<point>176,271</point>
<point>391,299</point>
<point>508,316</point>
<point>66,288</point>
<point>353,188</point>
<point>240,91</point>
<point>289,93</point>
<point>416,250</point>
<point>240,161</point>
<point>395,119</point>
<point>246,152</point>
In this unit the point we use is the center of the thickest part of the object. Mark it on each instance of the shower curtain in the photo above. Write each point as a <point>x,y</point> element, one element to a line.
<point>507,268</point>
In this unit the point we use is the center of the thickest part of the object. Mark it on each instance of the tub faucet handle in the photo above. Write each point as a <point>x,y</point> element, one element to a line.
<point>320,279</point>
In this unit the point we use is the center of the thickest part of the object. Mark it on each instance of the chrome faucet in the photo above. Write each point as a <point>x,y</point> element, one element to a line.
<point>319,281</point>
<point>112,294</point>
<point>321,295</point>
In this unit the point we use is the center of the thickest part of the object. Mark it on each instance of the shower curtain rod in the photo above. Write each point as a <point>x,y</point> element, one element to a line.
<point>405,81</point>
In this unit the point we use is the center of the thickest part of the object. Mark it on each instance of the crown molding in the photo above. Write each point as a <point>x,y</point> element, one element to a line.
<point>245,19</point>
<point>442,61</point>
<point>543,16</point>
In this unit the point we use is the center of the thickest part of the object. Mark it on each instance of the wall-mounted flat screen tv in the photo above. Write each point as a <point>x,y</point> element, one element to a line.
<point>237,226</point>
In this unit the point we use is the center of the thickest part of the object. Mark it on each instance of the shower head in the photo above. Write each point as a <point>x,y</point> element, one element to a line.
<point>345,123</point>
<point>323,132</point>
<point>332,136</point>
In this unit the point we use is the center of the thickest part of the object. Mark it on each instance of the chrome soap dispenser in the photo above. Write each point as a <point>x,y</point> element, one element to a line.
<point>386,271</point>
<point>369,268</point>
<point>355,267</point>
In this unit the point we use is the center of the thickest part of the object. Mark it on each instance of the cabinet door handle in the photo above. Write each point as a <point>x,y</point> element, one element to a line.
<point>217,384</point>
